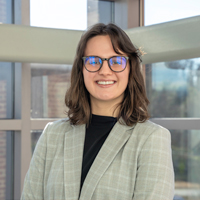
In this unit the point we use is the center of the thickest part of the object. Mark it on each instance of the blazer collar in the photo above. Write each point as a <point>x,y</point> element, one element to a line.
<point>73,153</point>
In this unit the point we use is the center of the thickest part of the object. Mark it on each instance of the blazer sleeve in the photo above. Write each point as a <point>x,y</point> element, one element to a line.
<point>33,183</point>
<point>155,174</point>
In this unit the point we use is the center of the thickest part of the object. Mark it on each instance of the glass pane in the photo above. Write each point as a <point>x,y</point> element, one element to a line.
<point>6,90</point>
<point>5,11</point>
<point>169,10</point>
<point>49,84</point>
<point>34,138</point>
<point>186,160</point>
<point>6,165</point>
<point>77,15</point>
<point>100,11</point>
<point>59,14</point>
<point>173,88</point>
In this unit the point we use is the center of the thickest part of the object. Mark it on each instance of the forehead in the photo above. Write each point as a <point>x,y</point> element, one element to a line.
<point>101,46</point>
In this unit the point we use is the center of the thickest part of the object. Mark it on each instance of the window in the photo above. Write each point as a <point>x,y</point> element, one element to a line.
<point>49,83</point>
<point>174,88</point>
<point>6,165</point>
<point>59,14</point>
<point>35,135</point>
<point>100,11</point>
<point>5,11</point>
<point>186,161</point>
<point>157,11</point>
<point>6,90</point>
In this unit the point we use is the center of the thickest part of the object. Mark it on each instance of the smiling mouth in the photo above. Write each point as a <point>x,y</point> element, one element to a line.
<point>105,82</point>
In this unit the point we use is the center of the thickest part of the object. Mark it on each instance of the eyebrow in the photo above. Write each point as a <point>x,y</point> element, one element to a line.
<point>109,56</point>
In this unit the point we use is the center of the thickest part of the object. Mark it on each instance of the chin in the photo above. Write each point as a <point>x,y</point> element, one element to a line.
<point>108,99</point>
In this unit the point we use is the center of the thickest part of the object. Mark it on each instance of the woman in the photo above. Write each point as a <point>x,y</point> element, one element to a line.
<point>107,149</point>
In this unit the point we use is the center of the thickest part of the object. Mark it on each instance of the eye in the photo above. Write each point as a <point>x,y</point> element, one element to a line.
<point>95,62</point>
<point>116,62</point>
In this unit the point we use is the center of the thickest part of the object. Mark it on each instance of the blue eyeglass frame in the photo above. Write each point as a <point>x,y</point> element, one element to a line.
<point>102,59</point>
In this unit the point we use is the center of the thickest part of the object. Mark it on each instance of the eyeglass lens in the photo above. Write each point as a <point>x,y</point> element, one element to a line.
<point>117,63</point>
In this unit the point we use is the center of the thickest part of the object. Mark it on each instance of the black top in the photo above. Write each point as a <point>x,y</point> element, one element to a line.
<point>96,134</point>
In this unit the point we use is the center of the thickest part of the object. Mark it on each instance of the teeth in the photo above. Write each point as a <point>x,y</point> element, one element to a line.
<point>105,82</point>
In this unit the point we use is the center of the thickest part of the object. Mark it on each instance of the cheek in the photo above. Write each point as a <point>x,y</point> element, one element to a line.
<point>88,79</point>
<point>126,80</point>
<point>126,75</point>
<point>85,78</point>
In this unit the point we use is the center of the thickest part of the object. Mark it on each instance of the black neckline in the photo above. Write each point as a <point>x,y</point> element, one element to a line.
<point>99,119</point>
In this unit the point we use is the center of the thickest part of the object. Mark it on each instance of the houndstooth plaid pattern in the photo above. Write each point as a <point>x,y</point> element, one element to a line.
<point>134,163</point>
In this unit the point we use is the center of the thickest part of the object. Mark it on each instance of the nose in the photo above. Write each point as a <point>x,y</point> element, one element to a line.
<point>105,69</point>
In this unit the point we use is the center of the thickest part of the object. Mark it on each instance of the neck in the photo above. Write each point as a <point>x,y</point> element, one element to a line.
<point>104,108</point>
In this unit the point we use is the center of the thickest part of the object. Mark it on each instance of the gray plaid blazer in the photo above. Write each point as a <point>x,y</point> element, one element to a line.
<point>134,163</point>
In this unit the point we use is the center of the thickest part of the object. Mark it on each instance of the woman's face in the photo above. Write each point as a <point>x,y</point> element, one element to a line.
<point>104,85</point>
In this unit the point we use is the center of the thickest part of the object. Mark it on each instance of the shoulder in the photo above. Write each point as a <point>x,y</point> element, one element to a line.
<point>62,125</point>
<point>55,131</point>
<point>149,131</point>
<point>148,125</point>
<point>149,128</point>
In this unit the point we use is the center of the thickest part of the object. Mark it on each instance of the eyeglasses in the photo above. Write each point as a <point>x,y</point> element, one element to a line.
<point>115,63</point>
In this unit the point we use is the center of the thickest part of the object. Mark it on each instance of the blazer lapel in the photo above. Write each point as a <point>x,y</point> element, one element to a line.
<point>115,141</point>
<point>73,152</point>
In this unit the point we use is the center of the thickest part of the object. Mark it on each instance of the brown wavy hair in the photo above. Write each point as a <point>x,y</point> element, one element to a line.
<point>133,108</point>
